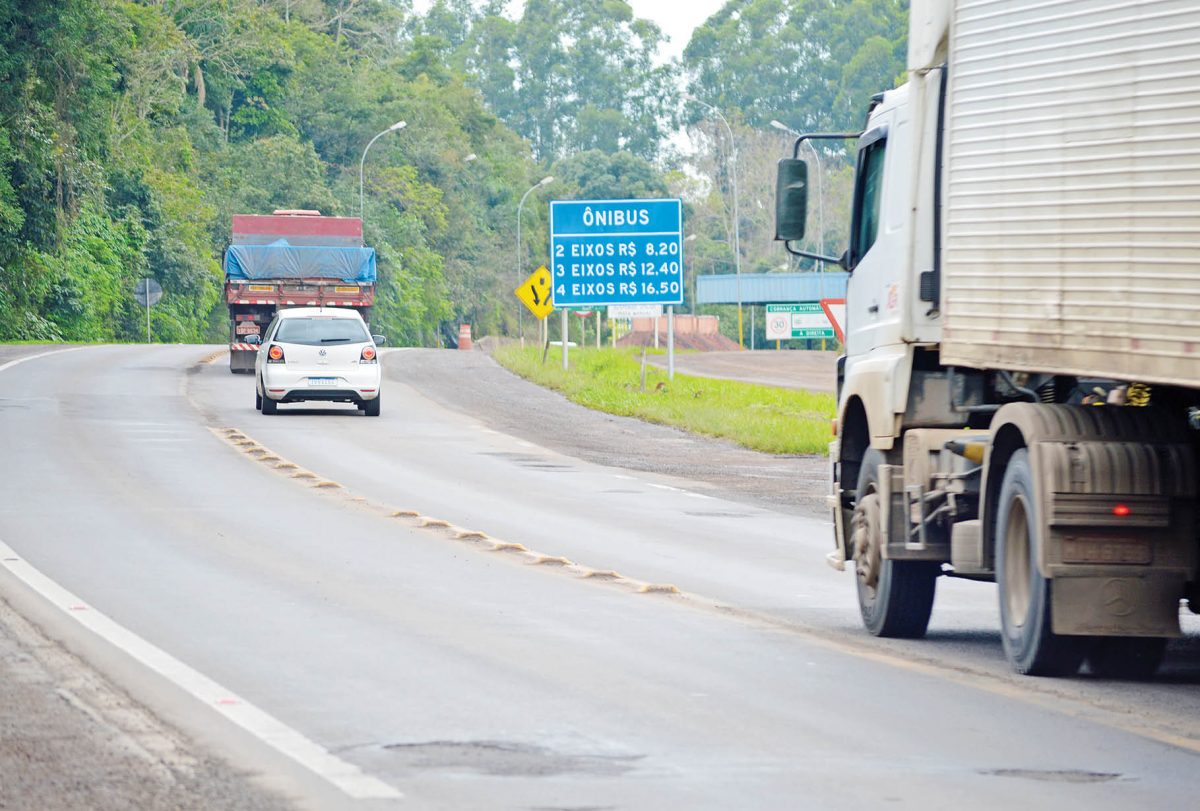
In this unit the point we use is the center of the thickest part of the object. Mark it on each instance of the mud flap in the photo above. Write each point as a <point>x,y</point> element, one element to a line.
<point>1127,605</point>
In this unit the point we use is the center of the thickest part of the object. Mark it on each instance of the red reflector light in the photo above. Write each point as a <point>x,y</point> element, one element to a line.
<point>275,352</point>
<point>1121,510</point>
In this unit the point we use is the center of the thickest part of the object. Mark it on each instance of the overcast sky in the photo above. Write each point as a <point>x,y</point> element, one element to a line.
<point>677,18</point>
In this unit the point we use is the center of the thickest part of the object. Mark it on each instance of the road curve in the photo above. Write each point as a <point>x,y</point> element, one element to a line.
<point>422,611</point>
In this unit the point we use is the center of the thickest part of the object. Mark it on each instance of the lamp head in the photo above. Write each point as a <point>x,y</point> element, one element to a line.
<point>399,125</point>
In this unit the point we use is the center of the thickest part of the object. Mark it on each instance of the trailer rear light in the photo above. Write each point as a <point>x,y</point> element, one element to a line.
<point>368,355</point>
<point>275,354</point>
<point>1122,511</point>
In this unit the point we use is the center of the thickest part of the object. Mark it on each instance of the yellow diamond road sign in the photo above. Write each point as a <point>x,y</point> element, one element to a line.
<point>534,293</point>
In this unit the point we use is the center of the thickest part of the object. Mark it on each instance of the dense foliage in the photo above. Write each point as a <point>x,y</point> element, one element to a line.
<point>131,130</point>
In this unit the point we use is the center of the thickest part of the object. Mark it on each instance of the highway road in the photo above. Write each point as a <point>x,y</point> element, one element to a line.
<point>460,605</point>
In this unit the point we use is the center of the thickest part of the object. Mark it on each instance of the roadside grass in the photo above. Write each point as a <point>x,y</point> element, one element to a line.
<point>762,418</point>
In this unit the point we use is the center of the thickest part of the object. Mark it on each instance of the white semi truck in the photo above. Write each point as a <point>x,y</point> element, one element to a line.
<point>1020,393</point>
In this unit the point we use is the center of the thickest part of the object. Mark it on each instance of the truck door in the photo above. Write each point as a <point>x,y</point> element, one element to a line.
<point>876,253</point>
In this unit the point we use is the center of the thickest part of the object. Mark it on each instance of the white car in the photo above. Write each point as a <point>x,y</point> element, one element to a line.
<point>318,353</point>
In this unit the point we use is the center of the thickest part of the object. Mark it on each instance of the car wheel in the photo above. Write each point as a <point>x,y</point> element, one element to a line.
<point>269,406</point>
<point>1030,643</point>
<point>371,407</point>
<point>257,401</point>
<point>895,597</point>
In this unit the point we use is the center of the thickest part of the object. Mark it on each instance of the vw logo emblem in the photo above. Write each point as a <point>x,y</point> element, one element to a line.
<point>321,353</point>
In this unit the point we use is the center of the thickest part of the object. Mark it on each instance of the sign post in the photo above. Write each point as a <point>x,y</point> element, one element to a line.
<point>605,252</point>
<point>148,292</point>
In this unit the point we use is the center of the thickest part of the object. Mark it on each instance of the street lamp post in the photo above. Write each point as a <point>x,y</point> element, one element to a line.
<point>692,238</point>
<point>779,125</point>
<point>399,125</point>
<point>737,246</point>
<point>545,181</point>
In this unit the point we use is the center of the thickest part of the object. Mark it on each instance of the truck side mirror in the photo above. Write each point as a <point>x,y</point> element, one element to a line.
<point>791,199</point>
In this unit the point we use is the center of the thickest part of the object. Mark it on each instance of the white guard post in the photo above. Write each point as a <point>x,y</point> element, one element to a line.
<point>565,338</point>
<point>670,342</point>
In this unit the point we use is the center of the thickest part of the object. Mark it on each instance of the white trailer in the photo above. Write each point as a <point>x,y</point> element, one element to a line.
<point>1020,394</point>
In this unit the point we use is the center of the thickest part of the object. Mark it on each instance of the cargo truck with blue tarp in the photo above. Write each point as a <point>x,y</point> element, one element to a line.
<point>291,258</point>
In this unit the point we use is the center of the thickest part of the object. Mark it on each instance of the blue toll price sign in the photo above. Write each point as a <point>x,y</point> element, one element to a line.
<point>616,252</point>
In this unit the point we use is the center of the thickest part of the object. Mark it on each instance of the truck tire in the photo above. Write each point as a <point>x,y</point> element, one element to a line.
<point>1031,646</point>
<point>1126,657</point>
<point>895,597</point>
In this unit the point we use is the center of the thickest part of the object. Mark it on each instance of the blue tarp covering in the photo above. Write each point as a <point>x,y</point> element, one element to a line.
<point>280,260</point>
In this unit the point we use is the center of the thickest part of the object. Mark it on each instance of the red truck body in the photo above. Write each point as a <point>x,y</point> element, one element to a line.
<point>253,302</point>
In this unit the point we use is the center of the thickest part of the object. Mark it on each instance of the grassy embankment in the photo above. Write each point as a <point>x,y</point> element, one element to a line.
<point>762,418</point>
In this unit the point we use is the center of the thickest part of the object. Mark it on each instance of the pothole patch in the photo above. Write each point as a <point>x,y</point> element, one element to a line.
<point>716,514</point>
<point>508,759</point>
<point>1054,775</point>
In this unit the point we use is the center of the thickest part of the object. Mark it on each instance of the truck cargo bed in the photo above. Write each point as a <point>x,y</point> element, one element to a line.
<point>1072,189</point>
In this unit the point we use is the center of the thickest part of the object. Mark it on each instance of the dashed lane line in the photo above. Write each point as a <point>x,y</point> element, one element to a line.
<point>239,440</point>
<point>1171,731</point>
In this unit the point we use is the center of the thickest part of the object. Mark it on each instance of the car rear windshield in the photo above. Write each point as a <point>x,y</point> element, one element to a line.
<point>318,331</point>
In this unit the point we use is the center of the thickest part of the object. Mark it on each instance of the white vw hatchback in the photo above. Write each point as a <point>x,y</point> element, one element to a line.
<point>318,353</point>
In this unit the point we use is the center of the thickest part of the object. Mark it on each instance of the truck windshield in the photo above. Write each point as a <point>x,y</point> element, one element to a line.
<point>318,331</point>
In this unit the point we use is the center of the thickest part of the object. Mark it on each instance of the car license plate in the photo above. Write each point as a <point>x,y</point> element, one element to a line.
<point>322,381</point>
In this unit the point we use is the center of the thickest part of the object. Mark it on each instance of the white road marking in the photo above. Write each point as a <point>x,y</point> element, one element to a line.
<point>13,363</point>
<point>345,776</point>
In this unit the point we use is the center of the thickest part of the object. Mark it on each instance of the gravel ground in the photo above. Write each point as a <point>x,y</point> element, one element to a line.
<point>473,383</point>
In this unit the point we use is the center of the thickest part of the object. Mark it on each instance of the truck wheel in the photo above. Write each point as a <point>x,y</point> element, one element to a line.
<point>1126,657</point>
<point>1029,643</point>
<point>894,596</point>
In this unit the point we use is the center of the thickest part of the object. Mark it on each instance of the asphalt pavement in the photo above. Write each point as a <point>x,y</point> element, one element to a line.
<point>488,598</point>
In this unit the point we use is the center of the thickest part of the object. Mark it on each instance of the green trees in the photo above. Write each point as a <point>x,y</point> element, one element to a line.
<point>810,63</point>
<point>131,130</point>
<point>573,76</point>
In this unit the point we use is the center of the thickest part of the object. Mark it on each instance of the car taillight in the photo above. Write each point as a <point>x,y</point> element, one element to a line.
<point>368,355</point>
<point>275,354</point>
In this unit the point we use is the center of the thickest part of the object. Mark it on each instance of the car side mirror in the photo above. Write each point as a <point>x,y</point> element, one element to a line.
<point>254,340</point>
<point>791,199</point>
<point>379,340</point>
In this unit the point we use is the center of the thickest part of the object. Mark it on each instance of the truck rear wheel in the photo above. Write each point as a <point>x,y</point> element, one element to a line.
<point>1029,643</point>
<point>895,597</point>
